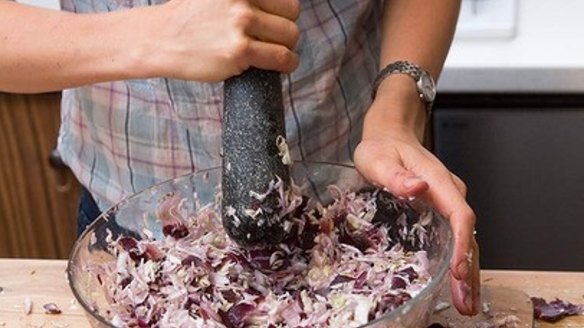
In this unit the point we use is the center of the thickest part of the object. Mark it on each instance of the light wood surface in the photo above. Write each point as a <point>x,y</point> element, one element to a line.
<point>499,304</point>
<point>568,286</point>
<point>38,203</point>
<point>44,281</point>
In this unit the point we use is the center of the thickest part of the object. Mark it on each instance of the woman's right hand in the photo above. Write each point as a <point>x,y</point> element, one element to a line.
<point>211,40</point>
<point>201,40</point>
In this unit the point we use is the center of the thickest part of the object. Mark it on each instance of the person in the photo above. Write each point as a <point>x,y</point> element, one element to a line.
<point>141,98</point>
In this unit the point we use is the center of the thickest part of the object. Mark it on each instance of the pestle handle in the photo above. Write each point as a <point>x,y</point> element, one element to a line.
<point>253,119</point>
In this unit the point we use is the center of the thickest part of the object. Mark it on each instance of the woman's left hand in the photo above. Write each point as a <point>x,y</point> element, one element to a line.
<point>391,155</point>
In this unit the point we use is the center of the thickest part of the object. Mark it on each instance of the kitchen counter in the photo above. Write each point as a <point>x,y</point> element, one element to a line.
<point>544,80</point>
<point>540,55</point>
<point>44,281</point>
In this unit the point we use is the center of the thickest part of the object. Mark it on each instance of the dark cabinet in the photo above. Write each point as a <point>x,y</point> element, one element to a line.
<point>522,157</point>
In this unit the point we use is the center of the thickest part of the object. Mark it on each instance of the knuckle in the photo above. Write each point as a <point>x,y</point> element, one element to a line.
<point>463,187</point>
<point>239,49</point>
<point>243,17</point>
<point>444,178</point>
<point>467,212</point>
<point>284,57</point>
<point>460,184</point>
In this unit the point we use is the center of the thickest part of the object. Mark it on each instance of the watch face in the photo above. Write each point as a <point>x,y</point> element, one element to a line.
<point>427,87</point>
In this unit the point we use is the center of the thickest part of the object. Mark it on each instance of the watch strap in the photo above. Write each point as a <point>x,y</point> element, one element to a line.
<point>401,67</point>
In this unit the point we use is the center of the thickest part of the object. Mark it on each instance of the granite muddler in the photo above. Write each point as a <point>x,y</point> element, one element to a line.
<point>253,120</point>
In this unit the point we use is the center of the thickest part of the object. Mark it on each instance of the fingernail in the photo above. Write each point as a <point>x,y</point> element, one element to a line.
<point>411,182</point>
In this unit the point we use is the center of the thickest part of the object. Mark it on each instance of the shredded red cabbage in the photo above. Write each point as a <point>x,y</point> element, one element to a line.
<point>554,310</point>
<point>52,308</point>
<point>339,267</point>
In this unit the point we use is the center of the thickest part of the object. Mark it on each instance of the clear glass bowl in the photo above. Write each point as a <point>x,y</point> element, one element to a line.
<point>136,212</point>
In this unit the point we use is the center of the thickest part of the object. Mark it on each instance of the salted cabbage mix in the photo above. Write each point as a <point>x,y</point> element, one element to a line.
<point>341,266</point>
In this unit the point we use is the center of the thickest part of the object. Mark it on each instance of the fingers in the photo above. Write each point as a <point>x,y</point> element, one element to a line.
<point>466,293</point>
<point>447,192</point>
<point>274,29</point>
<point>408,172</point>
<point>402,182</point>
<point>289,9</point>
<point>386,172</point>
<point>450,202</point>
<point>267,35</point>
<point>271,57</point>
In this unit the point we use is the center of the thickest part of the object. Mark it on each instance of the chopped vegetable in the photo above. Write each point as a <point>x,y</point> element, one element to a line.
<point>27,305</point>
<point>441,306</point>
<point>554,310</point>
<point>52,308</point>
<point>337,268</point>
<point>506,321</point>
<point>486,307</point>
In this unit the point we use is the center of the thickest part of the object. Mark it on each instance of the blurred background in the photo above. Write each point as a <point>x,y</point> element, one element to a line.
<point>509,120</point>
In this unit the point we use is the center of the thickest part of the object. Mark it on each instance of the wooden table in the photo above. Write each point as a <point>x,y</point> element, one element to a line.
<point>44,281</point>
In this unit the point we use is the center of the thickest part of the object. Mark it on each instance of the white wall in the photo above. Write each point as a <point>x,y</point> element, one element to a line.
<point>51,4</point>
<point>550,34</point>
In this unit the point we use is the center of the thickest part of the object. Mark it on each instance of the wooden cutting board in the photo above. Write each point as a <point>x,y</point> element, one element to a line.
<point>499,304</point>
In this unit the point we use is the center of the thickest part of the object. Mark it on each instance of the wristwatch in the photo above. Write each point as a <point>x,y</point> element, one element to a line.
<point>424,81</point>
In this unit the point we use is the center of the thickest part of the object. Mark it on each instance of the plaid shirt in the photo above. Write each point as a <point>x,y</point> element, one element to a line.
<point>123,136</point>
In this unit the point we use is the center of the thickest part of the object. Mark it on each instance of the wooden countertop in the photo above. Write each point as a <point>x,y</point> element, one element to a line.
<point>44,281</point>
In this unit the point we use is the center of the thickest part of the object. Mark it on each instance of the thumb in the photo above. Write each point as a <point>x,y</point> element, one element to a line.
<point>390,173</point>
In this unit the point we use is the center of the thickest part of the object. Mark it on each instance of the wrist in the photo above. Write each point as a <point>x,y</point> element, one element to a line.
<point>425,85</point>
<point>397,106</point>
<point>142,49</point>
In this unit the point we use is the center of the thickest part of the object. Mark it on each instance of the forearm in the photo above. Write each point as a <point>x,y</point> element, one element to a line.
<point>46,50</point>
<point>419,31</point>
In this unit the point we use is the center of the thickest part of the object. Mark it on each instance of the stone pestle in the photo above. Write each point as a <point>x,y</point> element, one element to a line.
<point>253,121</point>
